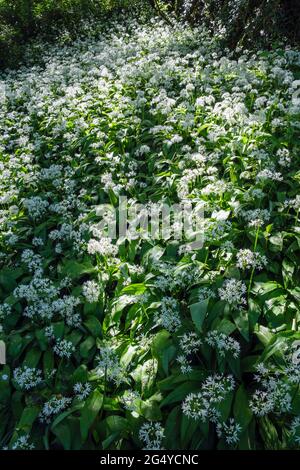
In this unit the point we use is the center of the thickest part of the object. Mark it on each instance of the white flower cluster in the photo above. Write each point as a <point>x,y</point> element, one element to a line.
<point>35,206</point>
<point>82,390</point>
<point>295,430</point>
<point>229,431</point>
<point>32,261</point>
<point>247,259</point>
<point>109,366</point>
<point>63,348</point>
<point>43,303</point>
<point>103,246</point>
<point>205,293</point>
<point>275,394</point>
<point>23,443</point>
<point>293,203</point>
<point>54,172</point>
<point>27,378</point>
<point>233,292</point>
<point>189,344</point>
<point>131,400</point>
<point>91,291</point>
<point>65,308</point>
<point>168,317</point>
<point>203,405</point>
<point>151,434</point>
<point>256,217</point>
<point>223,343</point>
<point>5,309</point>
<point>175,279</point>
<point>52,407</point>
<point>270,174</point>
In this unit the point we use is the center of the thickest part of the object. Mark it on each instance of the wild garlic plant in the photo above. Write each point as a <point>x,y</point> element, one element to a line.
<point>150,336</point>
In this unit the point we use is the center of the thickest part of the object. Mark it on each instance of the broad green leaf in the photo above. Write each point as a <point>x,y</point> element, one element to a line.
<point>90,412</point>
<point>198,313</point>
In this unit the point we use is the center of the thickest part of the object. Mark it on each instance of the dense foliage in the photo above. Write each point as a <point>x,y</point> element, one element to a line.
<point>142,344</point>
<point>21,20</point>
<point>253,23</point>
<point>242,22</point>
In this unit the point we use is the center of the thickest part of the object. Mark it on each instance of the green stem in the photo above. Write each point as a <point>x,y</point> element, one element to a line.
<point>253,269</point>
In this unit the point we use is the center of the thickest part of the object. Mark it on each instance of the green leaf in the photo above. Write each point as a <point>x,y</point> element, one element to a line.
<point>145,374</point>
<point>32,358</point>
<point>8,278</point>
<point>29,415</point>
<point>90,412</point>
<point>94,326</point>
<point>241,410</point>
<point>241,320</point>
<point>63,434</point>
<point>264,334</point>
<point>153,255</point>
<point>225,326</point>
<point>87,346</point>
<point>188,428</point>
<point>198,313</point>
<point>75,270</point>
<point>62,416</point>
<point>172,428</point>
<point>80,374</point>
<point>134,289</point>
<point>150,410</point>
<point>180,393</point>
<point>288,269</point>
<point>163,349</point>
<point>48,362</point>
<point>15,346</point>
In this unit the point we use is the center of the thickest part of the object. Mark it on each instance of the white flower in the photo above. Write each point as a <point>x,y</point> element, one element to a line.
<point>90,290</point>
<point>63,348</point>
<point>247,259</point>
<point>284,158</point>
<point>23,443</point>
<point>276,390</point>
<point>196,406</point>
<point>256,217</point>
<point>295,429</point>
<point>131,400</point>
<point>269,174</point>
<point>27,377</point>
<point>36,206</point>
<point>109,365</point>
<point>202,405</point>
<point>261,403</point>
<point>151,434</point>
<point>190,343</point>
<point>103,246</point>
<point>52,407</point>
<point>144,149</point>
<point>185,365</point>
<point>5,309</point>
<point>223,343</point>
<point>82,390</point>
<point>230,431</point>
<point>168,317</point>
<point>233,292</point>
